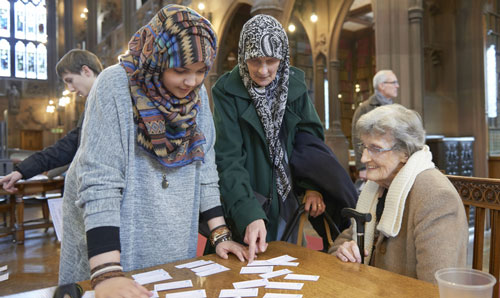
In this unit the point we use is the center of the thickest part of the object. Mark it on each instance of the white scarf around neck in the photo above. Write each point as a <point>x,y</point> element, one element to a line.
<point>392,216</point>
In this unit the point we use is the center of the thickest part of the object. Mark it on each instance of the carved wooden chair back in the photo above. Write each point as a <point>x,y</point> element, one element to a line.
<point>484,195</point>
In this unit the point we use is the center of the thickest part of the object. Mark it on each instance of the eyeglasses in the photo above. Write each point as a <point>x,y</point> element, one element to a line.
<point>392,82</point>
<point>374,150</point>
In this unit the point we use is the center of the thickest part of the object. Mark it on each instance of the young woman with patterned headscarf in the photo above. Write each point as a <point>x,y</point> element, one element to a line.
<point>260,97</point>
<point>145,171</point>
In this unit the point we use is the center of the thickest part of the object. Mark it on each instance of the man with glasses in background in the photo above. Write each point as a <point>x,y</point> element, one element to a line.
<point>386,88</point>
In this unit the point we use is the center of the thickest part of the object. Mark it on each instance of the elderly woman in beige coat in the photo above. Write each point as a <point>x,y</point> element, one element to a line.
<point>418,221</point>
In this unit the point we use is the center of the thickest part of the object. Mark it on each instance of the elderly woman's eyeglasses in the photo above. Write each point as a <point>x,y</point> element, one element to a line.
<point>392,82</point>
<point>374,150</point>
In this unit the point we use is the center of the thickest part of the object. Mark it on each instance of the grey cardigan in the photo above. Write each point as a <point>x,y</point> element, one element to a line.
<point>113,182</point>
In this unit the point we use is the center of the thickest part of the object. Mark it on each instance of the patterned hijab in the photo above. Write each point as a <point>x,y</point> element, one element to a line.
<point>176,36</point>
<point>263,36</point>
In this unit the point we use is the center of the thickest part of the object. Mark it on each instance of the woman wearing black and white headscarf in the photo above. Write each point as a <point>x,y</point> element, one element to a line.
<point>261,97</point>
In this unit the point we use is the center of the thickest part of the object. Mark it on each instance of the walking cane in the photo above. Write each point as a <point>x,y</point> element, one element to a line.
<point>361,219</point>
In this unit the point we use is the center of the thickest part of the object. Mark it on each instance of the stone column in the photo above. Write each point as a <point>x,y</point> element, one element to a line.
<point>69,40</point>
<point>415,17</point>
<point>319,87</point>
<point>392,45</point>
<point>335,138</point>
<point>128,17</point>
<point>270,7</point>
<point>52,54</point>
<point>92,25</point>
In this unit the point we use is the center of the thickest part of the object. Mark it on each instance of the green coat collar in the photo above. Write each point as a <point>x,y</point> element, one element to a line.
<point>234,84</point>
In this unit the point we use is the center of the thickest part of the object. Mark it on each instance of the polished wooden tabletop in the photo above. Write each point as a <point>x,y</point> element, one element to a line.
<point>31,187</point>
<point>337,279</point>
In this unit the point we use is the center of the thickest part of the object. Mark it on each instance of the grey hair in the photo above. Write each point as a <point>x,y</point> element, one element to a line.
<point>380,77</point>
<point>403,124</point>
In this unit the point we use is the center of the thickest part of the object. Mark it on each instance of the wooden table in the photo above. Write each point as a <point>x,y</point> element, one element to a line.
<point>337,279</point>
<point>26,188</point>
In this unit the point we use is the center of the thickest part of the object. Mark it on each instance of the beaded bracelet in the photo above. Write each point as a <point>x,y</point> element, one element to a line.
<point>105,271</point>
<point>219,233</point>
<point>226,237</point>
<point>99,267</point>
<point>108,275</point>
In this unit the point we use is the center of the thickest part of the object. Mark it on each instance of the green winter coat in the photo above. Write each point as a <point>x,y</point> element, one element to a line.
<point>241,148</point>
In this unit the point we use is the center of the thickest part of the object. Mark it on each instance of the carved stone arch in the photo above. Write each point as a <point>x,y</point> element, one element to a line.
<point>223,32</point>
<point>336,28</point>
<point>287,12</point>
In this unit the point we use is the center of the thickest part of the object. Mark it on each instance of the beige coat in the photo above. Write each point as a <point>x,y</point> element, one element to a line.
<point>433,235</point>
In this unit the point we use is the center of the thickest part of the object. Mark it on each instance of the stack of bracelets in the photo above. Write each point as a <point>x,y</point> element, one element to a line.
<point>220,234</point>
<point>105,271</point>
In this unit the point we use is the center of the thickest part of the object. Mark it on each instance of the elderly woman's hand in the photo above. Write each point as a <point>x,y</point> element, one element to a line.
<point>224,248</point>
<point>314,203</point>
<point>255,237</point>
<point>349,252</point>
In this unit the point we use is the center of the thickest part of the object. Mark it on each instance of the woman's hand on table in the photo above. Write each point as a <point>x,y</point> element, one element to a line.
<point>121,287</point>
<point>349,252</point>
<point>224,248</point>
<point>314,203</point>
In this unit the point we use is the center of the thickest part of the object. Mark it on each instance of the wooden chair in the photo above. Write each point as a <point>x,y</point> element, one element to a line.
<point>483,194</point>
<point>8,207</point>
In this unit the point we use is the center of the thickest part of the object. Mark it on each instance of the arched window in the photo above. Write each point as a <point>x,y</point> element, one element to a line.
<point>31,61</point>
<point>4,58</point>
<point>20,20</point>
<point>4,18</point>
<point>41,64</point>
<point>31,21</point>
<point>20,63</point>
<point>23,33</point>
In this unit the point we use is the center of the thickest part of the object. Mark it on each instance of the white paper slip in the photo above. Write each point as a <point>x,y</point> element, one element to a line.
<point>254,292</point>
<point>151,276</point>
<point>259,263</point>
<point>250,283</point>
<point>206,267</point>
<point>302,277</point>
<point>155,294</point>
<point>194,264</point>
<point>89,294</point>
<point>3,268</point>
<point>174,285</point>
<point>284,285</point>
<point>278,295</point>
<point>282,259</point>
<point>218,269</point>
<point>292,264</point>
<point>188,294</point>
<point>4,276</point>
<point>256,270</point>
<point>275,273</point>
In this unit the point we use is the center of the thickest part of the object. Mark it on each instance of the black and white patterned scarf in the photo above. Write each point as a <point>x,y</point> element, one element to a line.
<point>263,36</point>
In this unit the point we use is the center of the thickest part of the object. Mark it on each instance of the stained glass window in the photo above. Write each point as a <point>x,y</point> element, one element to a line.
<point>4,18</point>
<point>23,38</point>
<point>20,13</point>
<point>4,58</point>
<point>31,61</point>
<point>20,62</point>
<point>41,65</point>
<point>31,21</point>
